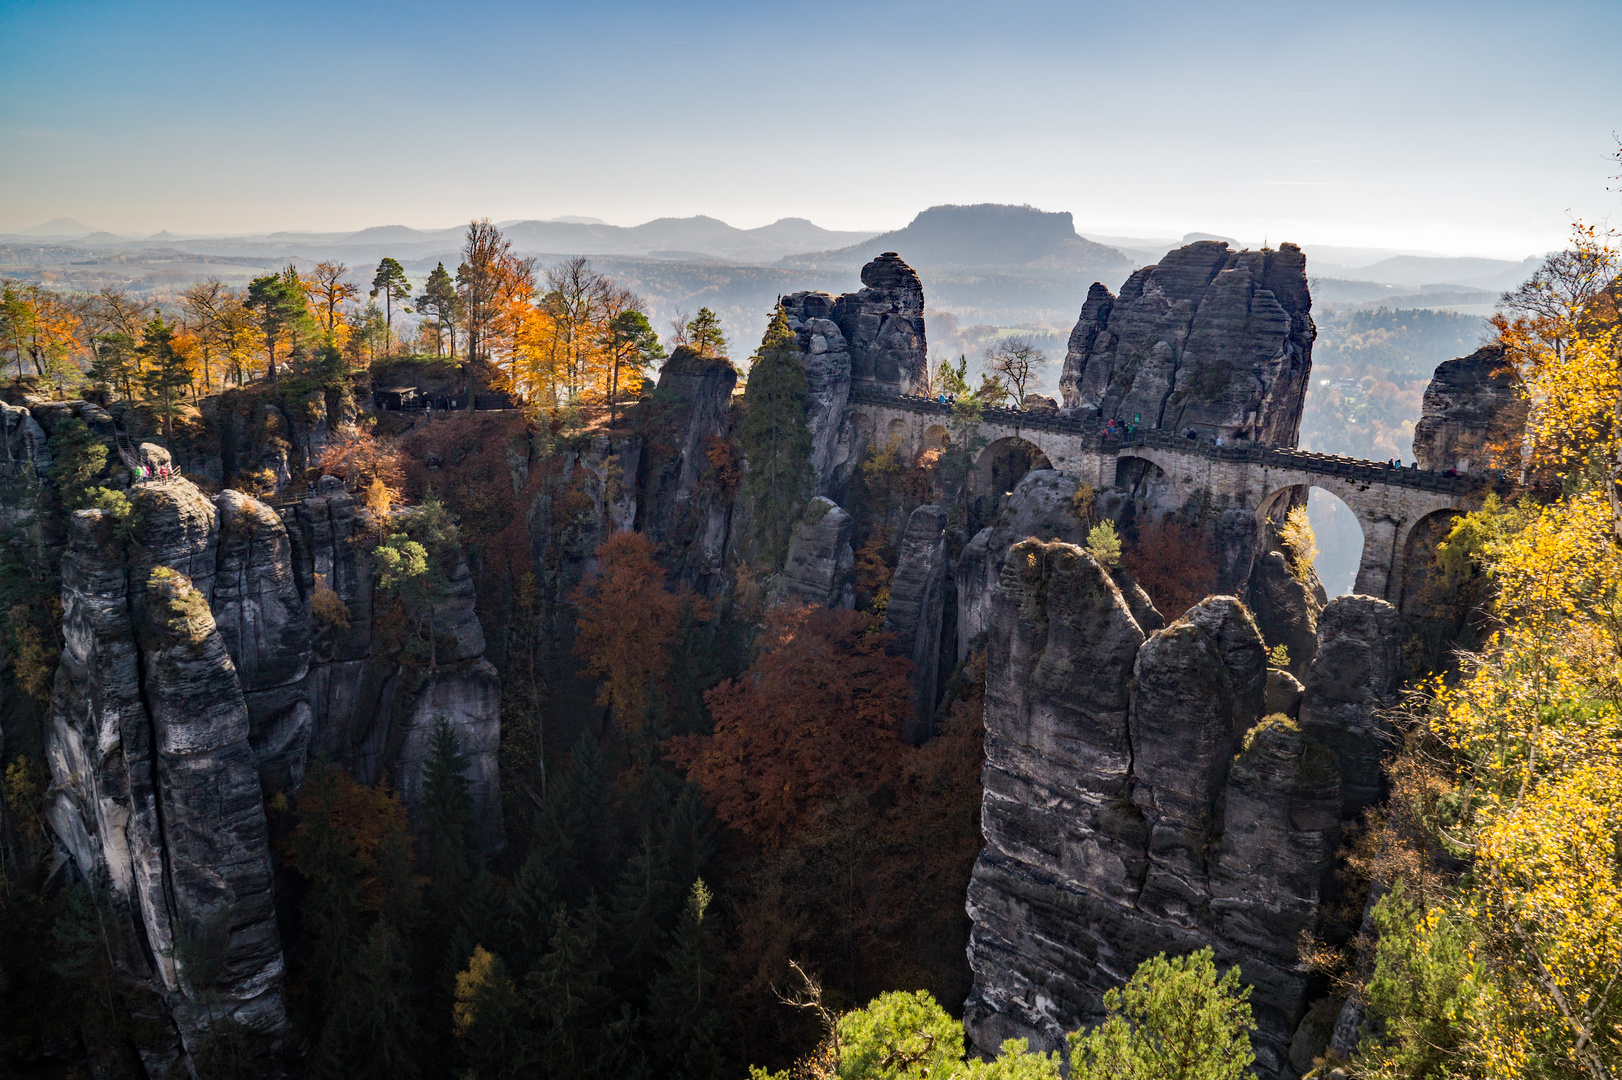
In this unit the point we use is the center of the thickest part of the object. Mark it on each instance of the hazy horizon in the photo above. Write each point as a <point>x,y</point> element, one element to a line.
<point>1381,125</point>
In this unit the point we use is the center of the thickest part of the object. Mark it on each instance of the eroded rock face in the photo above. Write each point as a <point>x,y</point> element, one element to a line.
<point>826,355</point>
<point>264,621</point>
<point>157,788</point>
<point>917,595</point>
<point>1286,608</point>
<point>1118,821</point>
<point>878,330</point>
<point>820,563</point>
<point>1210,339</point>
<point>194,679</point>
<point>1040,507</point>
<point>1353,680</point>
<point>683,500</point>
<point>1472,404</point>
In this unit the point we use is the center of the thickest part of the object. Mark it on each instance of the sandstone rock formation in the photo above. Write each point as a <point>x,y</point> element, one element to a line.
<point>1210,339</point>
<point>1472,405</point>
<point>826,357</point>
<point>880,328</point>
<point>194,680</point>
<point>156,787</point>
<point>820,564</point>
<point>25,461</point>
<point>1286,608</point>
<point>1119,821</point>
<point>913,614</point>
<point>263,618</point>
<point>1353,680</point>
<point>683,500</point>
<point>1040,507</point>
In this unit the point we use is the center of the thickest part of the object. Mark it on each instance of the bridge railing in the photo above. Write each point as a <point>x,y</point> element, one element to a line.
<point>1095,438</point>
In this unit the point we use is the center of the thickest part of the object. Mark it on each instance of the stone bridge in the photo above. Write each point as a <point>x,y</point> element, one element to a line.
<point>1397,508</point>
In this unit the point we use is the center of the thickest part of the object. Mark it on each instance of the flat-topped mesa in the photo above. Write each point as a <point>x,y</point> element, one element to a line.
<point>880,329</point>
<point>1210,339</point>
<point>1473,405</point>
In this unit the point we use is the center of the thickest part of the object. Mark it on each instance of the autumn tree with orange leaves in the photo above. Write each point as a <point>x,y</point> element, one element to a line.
<point>818,714</point>
<point>627,623</point>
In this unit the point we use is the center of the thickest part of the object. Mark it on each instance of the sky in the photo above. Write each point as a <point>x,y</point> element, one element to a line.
<point>1473,128</point>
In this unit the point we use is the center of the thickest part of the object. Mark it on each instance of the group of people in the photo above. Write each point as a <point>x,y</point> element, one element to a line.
<point>147,472</point>
<point>1118,428</point>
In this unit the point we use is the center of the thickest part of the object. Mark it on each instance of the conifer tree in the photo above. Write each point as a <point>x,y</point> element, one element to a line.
<point>567,995</point>
<point>775,438</point>
<point>326,857</point>
<point>640,913</point>
<point>439,300</point>
<point>391,282</point>
<point>447,824</point>
<point>682,999</point>
<point>486,1017</point>
<point>371,1028</point>
<point>165,378</point>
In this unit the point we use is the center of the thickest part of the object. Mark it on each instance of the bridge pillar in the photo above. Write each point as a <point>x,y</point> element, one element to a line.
<point>1379,569</point>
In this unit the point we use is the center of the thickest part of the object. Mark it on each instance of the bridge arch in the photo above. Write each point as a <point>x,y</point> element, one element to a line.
<point>1004,462</point>
<point>1419,557</point>
<point>1339,531</point>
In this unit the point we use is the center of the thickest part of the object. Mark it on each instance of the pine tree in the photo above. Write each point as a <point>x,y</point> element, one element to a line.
<point>371,1029</point>
<point>449,858</point>
<point>775,438</point>
<point>166,376</point>
<point>439,300</point>
<point>640,913</point>
<point>681,1000</point>
<point>567,996</point>
<point>391,282</point>
<point>326,857</point>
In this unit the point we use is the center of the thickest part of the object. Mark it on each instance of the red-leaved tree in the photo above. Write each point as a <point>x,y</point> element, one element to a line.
<point>818,714</point>
<point>627,621</point>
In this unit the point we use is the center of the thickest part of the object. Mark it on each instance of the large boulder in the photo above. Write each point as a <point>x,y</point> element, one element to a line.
<point>820,565</point>
<point>1473,406</point>
<point>1211,339</point>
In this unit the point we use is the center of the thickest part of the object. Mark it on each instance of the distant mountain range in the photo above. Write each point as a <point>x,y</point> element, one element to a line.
<point>702,237</point>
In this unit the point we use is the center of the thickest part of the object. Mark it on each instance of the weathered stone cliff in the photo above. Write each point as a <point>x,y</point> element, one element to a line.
<point>916,604</point>
<point>1210,339</point>
<point>1354,679</point>
<point>194,682</point>
<point>685,501</point>
<point>157,791</point>
<point>1473,406</point>
<point>1119,821</point>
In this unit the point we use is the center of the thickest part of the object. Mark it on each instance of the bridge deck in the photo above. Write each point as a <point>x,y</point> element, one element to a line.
<point>1092,435</point>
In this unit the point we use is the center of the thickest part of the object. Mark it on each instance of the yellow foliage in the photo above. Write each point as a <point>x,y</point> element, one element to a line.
<point>484,979</point>
<point>1299,542</point>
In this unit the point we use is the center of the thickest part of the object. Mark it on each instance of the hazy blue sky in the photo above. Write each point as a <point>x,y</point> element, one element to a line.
<point>1467,128</point>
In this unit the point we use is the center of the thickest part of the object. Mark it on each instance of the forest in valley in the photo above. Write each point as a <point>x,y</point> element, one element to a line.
<point>722,856</point>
